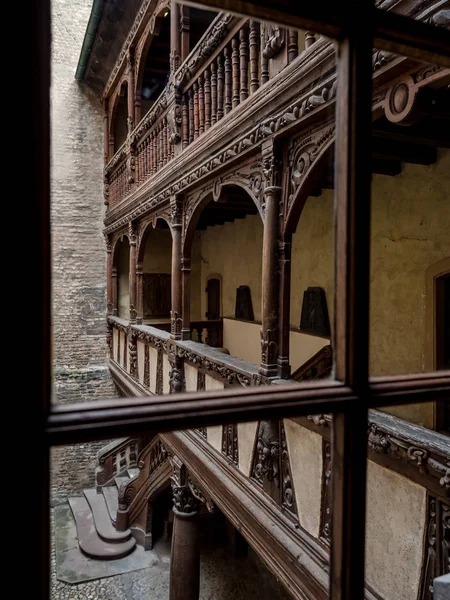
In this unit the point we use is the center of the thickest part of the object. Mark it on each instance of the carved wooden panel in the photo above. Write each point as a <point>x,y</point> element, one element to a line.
<point>244,306</point>
<point>230,442</point>
<point>325,513</point>
<point>271,466</point>
<point>314,317</point>
<point>156,292</point>
<point>437,545</point>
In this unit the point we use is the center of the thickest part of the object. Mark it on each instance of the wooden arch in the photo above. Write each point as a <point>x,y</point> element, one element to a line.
<point>115,103</point>
<point>147,226</point>
<point>306,165</point>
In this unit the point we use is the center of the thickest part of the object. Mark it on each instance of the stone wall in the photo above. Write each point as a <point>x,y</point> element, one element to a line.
<point>78,248</point>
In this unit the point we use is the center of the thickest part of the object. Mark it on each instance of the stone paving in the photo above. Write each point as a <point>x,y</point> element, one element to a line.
<point>222,578</point>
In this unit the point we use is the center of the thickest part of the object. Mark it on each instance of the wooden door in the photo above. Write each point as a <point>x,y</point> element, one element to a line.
<point>213,291</point>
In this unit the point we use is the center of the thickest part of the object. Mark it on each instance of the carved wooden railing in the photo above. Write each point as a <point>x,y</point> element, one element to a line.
<point>317,367</point>
<point>115,458</point>
<point>134,495</point>
<point>214,332</point>
<point>117,177</point>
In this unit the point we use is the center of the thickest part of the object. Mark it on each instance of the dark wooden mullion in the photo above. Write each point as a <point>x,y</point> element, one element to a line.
<point>352,210</point>
<point>392,32</point>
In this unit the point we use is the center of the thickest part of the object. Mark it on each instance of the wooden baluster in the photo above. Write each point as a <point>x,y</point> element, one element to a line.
<point>155,150</point>
<point>170,147</point>
<point>213,93</point>
<point>148,157</point>
<point>264,61</point>
<point>228,88</point>
<point>166,152</point>
<point>152,154</point>
<point>196,111</point>
<point>141,161</point>
<point>292,49</point>
<point>254,43</point>
<point>184,122</point>
<point>207,99</point>
<point>201,106</point>
<point>191,115</point>
<point>137,172</point>
<point>144,161</point>
<point>160,147</point>
<point>220,86</point>
<point>243,62</point>
<point>235,70</point>
<point>310,38</point>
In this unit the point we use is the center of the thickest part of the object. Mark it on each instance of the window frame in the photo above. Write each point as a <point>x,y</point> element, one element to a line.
<point>353,392</point>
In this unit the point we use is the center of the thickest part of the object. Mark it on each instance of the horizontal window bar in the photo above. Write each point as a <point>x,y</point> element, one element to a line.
<point>391,31</point>
<point>102,419</point>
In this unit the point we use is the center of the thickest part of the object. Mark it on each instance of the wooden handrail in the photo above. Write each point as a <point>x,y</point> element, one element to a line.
<point>317,367</point>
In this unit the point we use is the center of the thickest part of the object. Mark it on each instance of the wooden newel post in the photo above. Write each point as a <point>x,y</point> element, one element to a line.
<point>133,241</point>
<point>176,321</point>
<point>270,275</point>
<point>185,554</point>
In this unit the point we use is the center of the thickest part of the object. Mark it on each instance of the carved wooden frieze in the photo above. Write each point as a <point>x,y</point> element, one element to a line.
<point>288,501</point>
<point>146,366</point>
<point>230,446</point>
<point>159,373</point>
<point>132,353</point>
<point>437,545</point>
<point>176,377</point>
<point>200,495</point>
<point>325,512</point>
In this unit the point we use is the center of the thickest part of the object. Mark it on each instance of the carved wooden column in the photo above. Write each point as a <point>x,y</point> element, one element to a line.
<point>184,31</point>
<point>139,292</point>
<point>186,291</point>
<point>284,257</point>
<point>106,131</point>
<point>132,279</point>
<point>176,307</point>
<point>174,36</point>
<point>272,195</point>
<point>137,107</point>
<point>109,280</point>
<point>130,90</point>
<point>114,289</point>
<point>185,554</point>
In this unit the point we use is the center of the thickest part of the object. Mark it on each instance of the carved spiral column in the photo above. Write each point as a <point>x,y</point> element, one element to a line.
<point>185,554</point>
<point>133,239</point>
<point>269,330</point>
<point>176,309</point>
<point>284,368</point>
<point>109,281</point>
<point>139,292</point>
<point>186,291</point>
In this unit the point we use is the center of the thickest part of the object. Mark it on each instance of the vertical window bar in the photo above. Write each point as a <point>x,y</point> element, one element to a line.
<point>352,206</point>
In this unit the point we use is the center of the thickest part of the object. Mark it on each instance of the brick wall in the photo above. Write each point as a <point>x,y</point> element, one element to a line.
<point>78,247</point>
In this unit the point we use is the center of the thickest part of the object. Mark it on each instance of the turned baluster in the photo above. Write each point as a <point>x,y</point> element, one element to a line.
<point>153,152</point>
<point>196,123</point>
<point>141,161</point>
<point>165,147</point>
<point>264,61</point>
<point>243,62</point>
<point>184,122</point>
<point>201,106</point>
<point>160,147</point>
<point>292,49</point>
<point>191,115</point>
<point>310,38</point>
<point>254,42</point>
<point>207,99</point>
<point>213,93</point>
<point>148,157</point>
<point>220,86</point>
<point>144,160</point>
<point>228,88</point>
<point>170,147</point>
<point>235,70</point>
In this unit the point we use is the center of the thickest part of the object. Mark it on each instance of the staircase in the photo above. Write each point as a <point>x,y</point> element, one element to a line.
<point>115,515</point>
<point>95,517</point>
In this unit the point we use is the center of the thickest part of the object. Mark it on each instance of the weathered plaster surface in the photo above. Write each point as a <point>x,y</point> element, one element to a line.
<point>141,360</point>
<point>395,525</point>
<point>214,433</point>
<point>246,440</point>
<point>190,377</point>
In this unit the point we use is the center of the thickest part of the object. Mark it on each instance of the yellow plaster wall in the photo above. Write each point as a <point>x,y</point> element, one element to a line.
<point>235,251</point>
<point>158,252</point>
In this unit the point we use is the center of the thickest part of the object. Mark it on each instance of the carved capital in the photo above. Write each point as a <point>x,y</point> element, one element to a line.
<point>184,501</point>
<point>269,346</point>
<point>275,40</point>
<point>176,211</point>
<point>132,233</point>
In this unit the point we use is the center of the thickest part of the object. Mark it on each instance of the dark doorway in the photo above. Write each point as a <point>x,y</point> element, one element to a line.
<point>213,291</point>
<point>443,343</point>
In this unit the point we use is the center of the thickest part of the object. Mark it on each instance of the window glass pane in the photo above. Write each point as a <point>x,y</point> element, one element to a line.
<point>410,224</point>
<point>407,520</point>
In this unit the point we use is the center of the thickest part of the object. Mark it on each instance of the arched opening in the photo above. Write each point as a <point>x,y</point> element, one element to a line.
<point>155,263</point>
<point>224,243</point>
<point>154,70</point>
<point>122,266</point>
<point>120,117</point>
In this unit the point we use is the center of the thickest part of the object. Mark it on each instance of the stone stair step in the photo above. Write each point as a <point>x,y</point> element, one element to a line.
<point>111,495</point>
<point>133,472</point>
<point>102,520</point>
<point>89,540</point>
<point>120,479</point>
